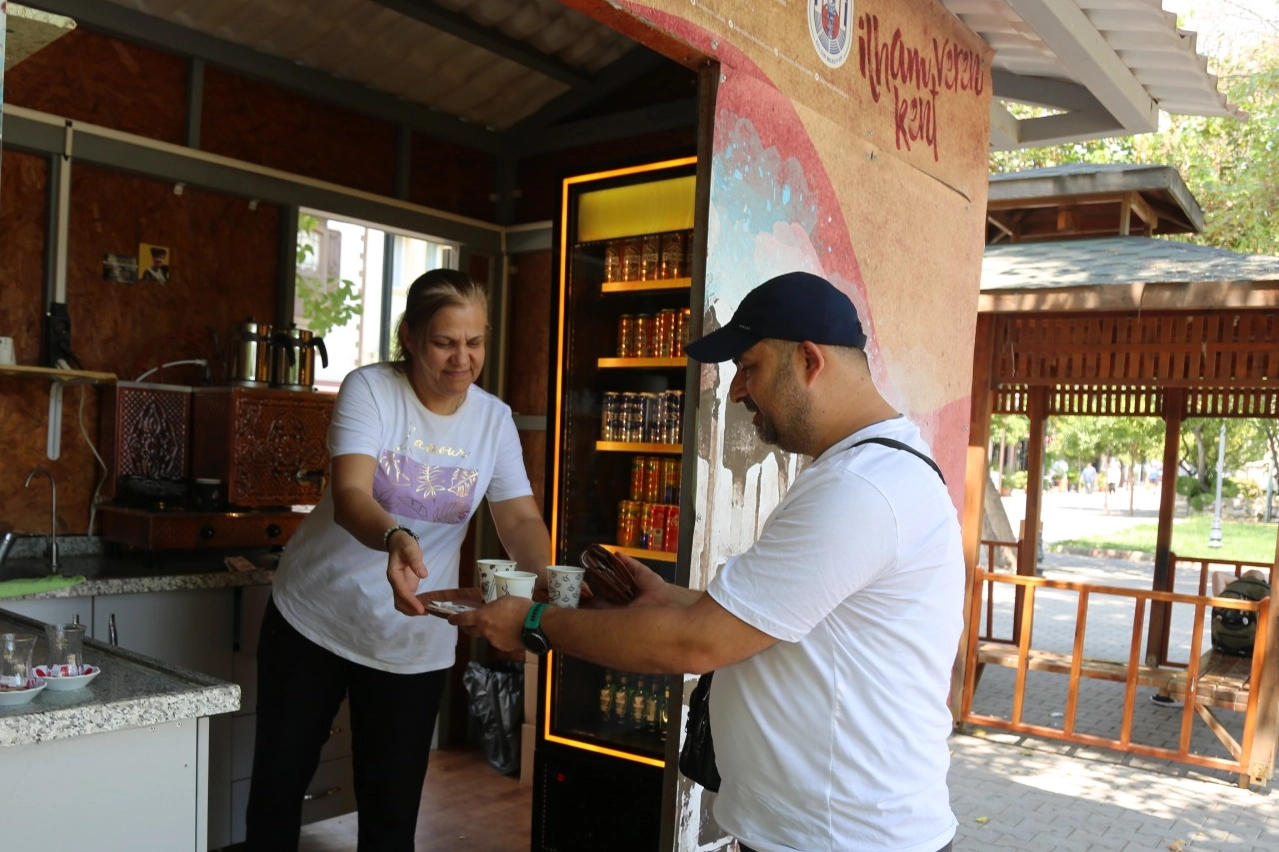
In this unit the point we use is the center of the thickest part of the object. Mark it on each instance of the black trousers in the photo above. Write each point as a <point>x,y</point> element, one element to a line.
<point>744,848</point>
<point>300,688</point>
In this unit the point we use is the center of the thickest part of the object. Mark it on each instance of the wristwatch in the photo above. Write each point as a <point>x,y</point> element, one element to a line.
<point>386,536</point>
<point>533,637</point>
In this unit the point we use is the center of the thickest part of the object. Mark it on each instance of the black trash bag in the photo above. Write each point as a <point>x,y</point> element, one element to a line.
<point>496,694</point>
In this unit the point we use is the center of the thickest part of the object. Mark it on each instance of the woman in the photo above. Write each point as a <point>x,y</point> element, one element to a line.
<point>414,447</point>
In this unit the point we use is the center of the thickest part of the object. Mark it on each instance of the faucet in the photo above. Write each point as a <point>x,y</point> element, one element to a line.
<point>53,516</point>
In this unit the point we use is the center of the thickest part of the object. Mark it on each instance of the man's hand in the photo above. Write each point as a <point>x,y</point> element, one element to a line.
<point>404,569</point>
<point>500,622</point>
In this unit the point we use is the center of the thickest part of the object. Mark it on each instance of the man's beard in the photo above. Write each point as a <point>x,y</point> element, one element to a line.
<point>793,429</point>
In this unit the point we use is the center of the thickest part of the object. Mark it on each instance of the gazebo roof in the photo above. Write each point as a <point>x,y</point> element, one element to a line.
<point>1124,273</point>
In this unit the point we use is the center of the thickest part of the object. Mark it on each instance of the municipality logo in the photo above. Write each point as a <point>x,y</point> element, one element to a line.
<point>828,27</point>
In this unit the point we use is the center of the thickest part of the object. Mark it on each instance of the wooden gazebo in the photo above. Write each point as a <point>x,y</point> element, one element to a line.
<point>1083,311</point>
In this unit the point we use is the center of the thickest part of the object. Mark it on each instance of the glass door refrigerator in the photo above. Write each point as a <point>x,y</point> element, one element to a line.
<point>604,767</point>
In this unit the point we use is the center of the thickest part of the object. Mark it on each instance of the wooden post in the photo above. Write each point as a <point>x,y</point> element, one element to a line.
<point>975,476</point>
<point>1028,550</point>
<point>1157,636</point>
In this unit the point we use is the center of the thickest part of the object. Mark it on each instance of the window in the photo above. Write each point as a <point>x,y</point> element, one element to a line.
<point>342,292</point>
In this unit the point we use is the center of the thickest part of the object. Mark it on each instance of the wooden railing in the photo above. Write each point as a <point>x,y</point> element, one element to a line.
<point>1207,566</point>
<point>1259,687</point>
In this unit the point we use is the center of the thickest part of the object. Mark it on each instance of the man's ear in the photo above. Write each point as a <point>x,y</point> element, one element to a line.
<point>814,360</point>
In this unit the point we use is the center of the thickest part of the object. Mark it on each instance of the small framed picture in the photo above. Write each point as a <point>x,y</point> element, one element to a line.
<point>154,263</point>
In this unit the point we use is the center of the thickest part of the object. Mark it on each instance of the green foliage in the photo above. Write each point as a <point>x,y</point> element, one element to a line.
<point>326,303</point>
<point>1247,541</point>
<point>1230,166</point>
<point>1016,479</point>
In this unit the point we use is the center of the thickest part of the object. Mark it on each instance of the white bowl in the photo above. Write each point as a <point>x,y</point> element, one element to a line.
<point>10,696</point>
<point>64,683</point>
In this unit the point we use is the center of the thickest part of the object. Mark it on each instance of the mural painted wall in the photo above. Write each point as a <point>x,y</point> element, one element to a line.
<point>850,141</point>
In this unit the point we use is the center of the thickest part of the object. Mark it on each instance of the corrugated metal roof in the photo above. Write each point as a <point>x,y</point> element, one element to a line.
<point>1118,261</point>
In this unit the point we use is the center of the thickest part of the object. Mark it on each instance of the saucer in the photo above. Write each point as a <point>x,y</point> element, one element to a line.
<point>63,683</point>
<point>10,696</point>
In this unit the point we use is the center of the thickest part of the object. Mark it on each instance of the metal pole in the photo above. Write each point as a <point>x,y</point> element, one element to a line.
<point>1214,536</point>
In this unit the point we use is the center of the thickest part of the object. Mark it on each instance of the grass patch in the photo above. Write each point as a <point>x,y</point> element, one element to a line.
<point>1240,541</point>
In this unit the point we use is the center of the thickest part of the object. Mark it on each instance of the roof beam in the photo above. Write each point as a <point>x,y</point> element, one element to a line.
<point>633,65</point>
<point>1043,92</point>
<point>460,26</point>
<point>668,116</point>
<point>1066,30</point>
<point>135,27</point>
<point>1005,130</point>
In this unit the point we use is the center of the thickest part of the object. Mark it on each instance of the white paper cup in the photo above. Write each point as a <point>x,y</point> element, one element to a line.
<point>484,571</point>
<point>565,584</point>
<point>517,583</point>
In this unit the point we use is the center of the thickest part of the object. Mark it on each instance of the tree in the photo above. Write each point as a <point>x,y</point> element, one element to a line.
<point>328,302</point>
<point>1231,166</point>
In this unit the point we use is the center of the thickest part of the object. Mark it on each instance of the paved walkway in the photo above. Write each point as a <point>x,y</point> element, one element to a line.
<point>1014,792</point>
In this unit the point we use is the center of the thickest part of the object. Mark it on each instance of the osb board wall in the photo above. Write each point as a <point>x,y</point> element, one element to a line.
<point>261,124</point>
<point>92,78</point>
<point>224,253</point>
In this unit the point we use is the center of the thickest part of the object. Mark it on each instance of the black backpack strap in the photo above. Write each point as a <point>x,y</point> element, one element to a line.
<point>898,445</point>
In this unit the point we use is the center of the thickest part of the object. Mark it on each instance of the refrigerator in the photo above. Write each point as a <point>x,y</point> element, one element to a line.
<point>607,739</point>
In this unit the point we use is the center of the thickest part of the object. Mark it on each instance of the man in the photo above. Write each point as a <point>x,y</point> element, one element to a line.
<point>833,636</point>
<point>158,271</point>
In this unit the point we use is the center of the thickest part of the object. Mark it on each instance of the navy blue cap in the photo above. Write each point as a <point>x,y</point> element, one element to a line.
<point>796,306</point>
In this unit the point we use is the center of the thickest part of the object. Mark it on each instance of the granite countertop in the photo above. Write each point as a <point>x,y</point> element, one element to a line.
<point>126,573</point>
<point>132,691</point>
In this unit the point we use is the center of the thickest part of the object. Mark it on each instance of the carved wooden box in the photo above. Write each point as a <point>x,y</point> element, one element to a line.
<point>267,446</point>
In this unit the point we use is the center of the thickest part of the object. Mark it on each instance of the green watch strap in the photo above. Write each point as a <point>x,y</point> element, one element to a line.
<point>534,617</point>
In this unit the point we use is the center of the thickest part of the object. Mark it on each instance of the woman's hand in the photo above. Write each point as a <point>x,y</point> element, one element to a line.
<point>404,570</point>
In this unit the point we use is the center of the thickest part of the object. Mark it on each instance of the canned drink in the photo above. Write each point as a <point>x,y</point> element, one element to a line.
<point>630,259</point>
<point>655,526</point>
<point>643,336</point>
<point>631,418</point>
<point>682,324</point>
<point>665,331</point>
<point>652,417</point>
<point>626,336</point>
<point>628,527</point>
<point>612,262</point>
<point>652,479</point>
<point>637,478</point>
<point>610,416</point>
<point>672,429</point>
<point>675,255</point>
<point>650,257</point>
<point>671,535</point>
<point>671,470</point>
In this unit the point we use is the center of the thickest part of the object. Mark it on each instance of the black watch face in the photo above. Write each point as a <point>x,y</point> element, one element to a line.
<point>535,642</point>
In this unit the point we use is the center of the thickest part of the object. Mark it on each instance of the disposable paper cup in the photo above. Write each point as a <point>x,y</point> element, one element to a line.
<point>517,583</point>
<point>484,571</point>
<point>565,582</point>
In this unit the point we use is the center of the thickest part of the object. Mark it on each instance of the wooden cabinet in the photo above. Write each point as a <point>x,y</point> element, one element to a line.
<point>267,446</point>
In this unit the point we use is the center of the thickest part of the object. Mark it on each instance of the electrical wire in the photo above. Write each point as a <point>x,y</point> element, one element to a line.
<point>93,501</point>
<point>201,361</point>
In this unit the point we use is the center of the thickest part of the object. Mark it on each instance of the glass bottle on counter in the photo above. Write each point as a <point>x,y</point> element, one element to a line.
<point>651,704</point>
<point>639,698</point>
<point>663,711</point>
<point>622,700</point>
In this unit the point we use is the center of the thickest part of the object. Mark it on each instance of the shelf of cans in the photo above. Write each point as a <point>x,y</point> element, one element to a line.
<point>647,257</point>
<point>649,520</point>
<point>636,703</point>
<point>636,417</point>
<point>660,335</point>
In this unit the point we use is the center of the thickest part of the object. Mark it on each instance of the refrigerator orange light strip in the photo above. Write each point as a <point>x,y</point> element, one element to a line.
<point>549,662</point>
<point>559,344</point>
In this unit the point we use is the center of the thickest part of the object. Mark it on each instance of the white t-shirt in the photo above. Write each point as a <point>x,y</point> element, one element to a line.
<point>432,472</point>
<point>835,738</point>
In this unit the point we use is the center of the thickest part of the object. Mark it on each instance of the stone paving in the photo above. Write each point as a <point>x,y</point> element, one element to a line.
<point>1039,795</point>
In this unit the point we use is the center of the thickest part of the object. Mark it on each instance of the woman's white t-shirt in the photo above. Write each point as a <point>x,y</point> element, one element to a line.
<point>432,472</point>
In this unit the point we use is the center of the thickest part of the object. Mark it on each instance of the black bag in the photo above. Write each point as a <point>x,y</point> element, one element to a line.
<point>496,694</point>
<point>697,755</point>
<point>1233,630</point>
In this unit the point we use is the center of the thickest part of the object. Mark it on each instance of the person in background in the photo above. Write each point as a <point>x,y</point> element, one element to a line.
<point>1089,477</point>
<point>833,636</point>
<point>415,447</point>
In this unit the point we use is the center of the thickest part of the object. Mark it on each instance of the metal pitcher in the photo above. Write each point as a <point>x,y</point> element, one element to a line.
<point>293,358</point>
<point>250,351</point>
